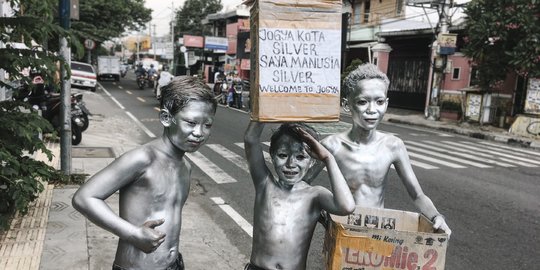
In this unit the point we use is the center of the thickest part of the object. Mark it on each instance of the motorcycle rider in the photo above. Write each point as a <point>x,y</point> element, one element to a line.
<point>164,78</point>
<point>140,70</point>
<point>141,75</point>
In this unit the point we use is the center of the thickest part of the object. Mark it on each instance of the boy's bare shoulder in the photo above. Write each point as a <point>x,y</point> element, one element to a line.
<point>391,141</point>
<point>142,155</point>
<point>333,142</point>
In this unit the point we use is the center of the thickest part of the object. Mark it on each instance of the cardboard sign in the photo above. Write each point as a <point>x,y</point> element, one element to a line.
<point>386,239</point>
<point>296,60</point>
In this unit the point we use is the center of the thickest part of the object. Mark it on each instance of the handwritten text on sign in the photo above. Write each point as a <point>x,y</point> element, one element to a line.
<point>299,60</point>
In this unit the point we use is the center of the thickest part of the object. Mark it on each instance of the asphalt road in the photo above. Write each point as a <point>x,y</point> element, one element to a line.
<point>489,193</point>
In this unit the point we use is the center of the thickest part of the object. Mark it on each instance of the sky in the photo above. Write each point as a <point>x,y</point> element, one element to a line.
<point>162,12</point>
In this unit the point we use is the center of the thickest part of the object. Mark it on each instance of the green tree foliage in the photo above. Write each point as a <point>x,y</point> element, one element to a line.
<point>502,36</point>
<point>32,23</point>
<point>102,20</point>
<point>189,17</point>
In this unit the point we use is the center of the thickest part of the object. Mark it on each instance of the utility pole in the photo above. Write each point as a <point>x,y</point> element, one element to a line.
<point>438,60</point>
<point>172,68</point>
<point>65,93</point>
<point>153,40</point>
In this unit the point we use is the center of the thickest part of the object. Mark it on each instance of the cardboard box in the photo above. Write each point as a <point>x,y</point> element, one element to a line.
<point>383,239</point>
<point>295,60</point>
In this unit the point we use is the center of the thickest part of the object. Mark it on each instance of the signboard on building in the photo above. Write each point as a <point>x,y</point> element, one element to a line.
<point>532,102</point>
<point>216,43</point>
<point>193,41</point>
<point>447,43</point>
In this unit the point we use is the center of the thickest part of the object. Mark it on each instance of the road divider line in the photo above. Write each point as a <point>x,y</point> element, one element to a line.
<point>141,99</point>
<point>141,125</point>
<point>113,99</point>
<point>230,155</point>
<point>243,223</point>
<point>120,87</point>
<point>209,168</point>
<point>129,92</point>
<point>157,109</point>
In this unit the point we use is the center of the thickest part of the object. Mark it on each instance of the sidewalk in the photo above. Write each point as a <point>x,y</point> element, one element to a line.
<point>485,132</point>
<point>55,236</point>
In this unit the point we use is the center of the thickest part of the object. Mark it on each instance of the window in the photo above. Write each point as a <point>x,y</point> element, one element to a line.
<point>455,73</point>
<point>474,77</point>
<point>357,13</point>
<point>367,7</point>
<point>399,7</point>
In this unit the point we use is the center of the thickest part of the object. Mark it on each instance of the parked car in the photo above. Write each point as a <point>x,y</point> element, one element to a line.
<point>83,75</point>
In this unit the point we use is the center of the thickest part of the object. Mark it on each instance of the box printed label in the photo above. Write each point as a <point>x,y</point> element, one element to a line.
<point>299,61</point>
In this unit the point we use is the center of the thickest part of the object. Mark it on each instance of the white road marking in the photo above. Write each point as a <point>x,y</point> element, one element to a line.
<point>243,223</point>
<point>474,155</point>
<point>434,160</point>
<point>446,156</point>
<point>230,155</point>
<point>141,99</point>
<point>209,168</point>
<point>512,149</point>
<point>129,92</point>
<point>113,99</point>
<point>499,153</point>
<point>141,125</point>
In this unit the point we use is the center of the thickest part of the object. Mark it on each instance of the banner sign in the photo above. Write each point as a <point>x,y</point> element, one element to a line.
<point>216,43</point>
<point>299,60</point>
<point>193,41</point>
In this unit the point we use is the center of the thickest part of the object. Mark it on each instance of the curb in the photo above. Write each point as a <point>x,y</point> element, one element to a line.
<point>525,143</point>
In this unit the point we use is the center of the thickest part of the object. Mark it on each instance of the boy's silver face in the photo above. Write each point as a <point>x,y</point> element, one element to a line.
<point>291,161</point>
<point>368,103</point>
<point>191,128</point>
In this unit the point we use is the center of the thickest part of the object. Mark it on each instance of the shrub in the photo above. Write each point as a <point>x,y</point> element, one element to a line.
<point>20,174</point>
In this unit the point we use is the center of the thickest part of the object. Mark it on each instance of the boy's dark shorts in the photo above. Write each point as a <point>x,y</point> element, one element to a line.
<point>178,264</point>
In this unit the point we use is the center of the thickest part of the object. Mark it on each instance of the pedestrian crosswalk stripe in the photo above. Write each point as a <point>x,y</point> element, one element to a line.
<point>521,163</point>
<point>446,156</point>
<point>230,155</point>
<point>211,169</point>
<point>434,160</point>
<point>482,152</point>
<point>513,149</point>
<point>422,165</point>
<point>243,223</point>
<point>525,159</point>
<point>468,153</point>
<point>504,150</point>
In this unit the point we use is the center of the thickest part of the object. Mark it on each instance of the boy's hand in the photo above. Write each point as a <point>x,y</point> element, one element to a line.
<point>315,149</point>
<point>149,239</point>
<point>440,223</point>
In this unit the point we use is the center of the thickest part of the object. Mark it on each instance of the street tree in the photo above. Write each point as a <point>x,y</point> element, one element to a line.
<point>503,36</point>
<point>32,23</point>
<point>102,20</point>
<point>189,17</point>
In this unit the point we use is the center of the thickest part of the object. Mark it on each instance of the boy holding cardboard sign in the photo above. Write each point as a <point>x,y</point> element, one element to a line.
<point>365,155</point>
<point>287,208</point>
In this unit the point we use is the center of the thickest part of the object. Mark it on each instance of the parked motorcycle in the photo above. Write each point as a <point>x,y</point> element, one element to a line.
<point>222,98</point>
<point>49,104</point>
<point>238,88</point>
<point>78,100</point>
